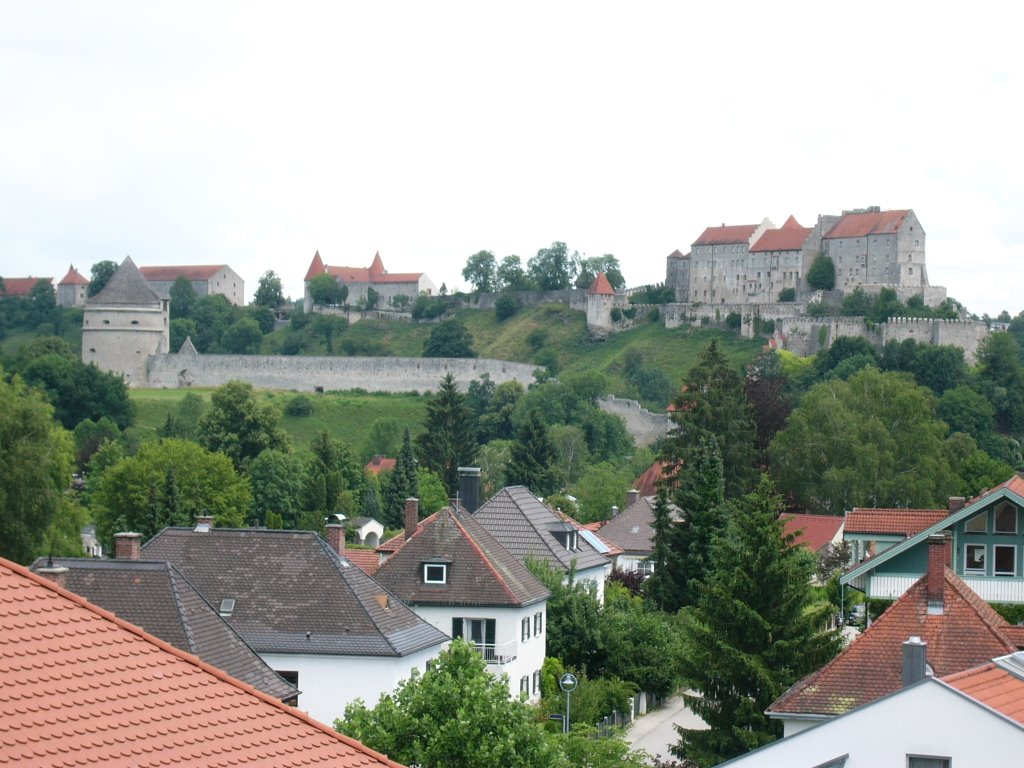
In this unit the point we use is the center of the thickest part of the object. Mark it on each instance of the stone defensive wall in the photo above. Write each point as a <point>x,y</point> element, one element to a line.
<point>702,314</point>
<point>642,425</point>
<point>576,298</point>
<point>314,374</point>
<point>808,336</point>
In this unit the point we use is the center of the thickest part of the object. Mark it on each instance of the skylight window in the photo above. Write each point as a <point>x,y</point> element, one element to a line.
<point>227,606</point>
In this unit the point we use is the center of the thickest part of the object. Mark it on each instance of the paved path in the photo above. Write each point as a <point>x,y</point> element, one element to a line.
<point>654,731</point>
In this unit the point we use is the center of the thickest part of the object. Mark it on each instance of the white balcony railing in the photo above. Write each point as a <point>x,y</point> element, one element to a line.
<point>499,653</point>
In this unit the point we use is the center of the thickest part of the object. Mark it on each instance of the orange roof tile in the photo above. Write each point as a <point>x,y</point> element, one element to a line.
<point>994,687</point>
<point>81,686</point>
<point>377,266</point>
<point>647,483</point>
<point>366,560</point>
<point>21,286</point>
<point>864,224</point>
<point>723,235</point>
<point>379,464</point>
<point>905,522</point>
<point>815,531</point>
<point>601,286</point>
<point>968,632</point>
<point>316,267</point>
<point>791,237</point>
<point>791,223</point>
<point>191,272</point>
<point>73,277</point>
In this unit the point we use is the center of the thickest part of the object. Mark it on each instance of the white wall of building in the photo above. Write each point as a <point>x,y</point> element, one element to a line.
<point>927,719</point>
<point>328,683</point>
<point>508,638</point>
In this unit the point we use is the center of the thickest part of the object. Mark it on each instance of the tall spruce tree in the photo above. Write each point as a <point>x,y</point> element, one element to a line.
<point>402,483</point>
<point>533,461</point>
<point>698,489</point>
<point>752,634</point>
<point>713,400</point>
<point>450,437</point>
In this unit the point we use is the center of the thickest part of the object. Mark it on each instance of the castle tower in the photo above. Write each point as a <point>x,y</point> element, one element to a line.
<point>124,324</point>
<point>72,288</point>
<point>600,300</point>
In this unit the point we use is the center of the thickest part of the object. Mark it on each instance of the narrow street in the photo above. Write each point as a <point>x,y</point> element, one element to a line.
<point>655,731</point>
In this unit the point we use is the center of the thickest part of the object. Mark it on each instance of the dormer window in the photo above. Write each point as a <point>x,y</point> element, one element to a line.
<point>435,573</point>
<point>566,535</point>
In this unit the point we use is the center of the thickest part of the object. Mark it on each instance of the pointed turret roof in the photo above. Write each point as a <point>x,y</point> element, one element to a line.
<point>188,348</point>
<point>377,267</point>
<point>601,286</point>
<point>126,286</point>
<point>73,277</point>
<point>316,267</point>
<point>790,223</point>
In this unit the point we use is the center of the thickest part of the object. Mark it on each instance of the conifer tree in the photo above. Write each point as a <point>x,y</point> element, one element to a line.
<point>713,399</point>
<point>752,634</point>
<point>450,438</point>
<point>533,458</point>
<point>402,483</point>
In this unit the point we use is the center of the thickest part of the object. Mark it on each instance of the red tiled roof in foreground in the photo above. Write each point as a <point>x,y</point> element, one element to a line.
<point>723,235</point>
<point>81,686</point>
<point>905,522</point>
<point>967,633</point>
<point>994,687</point>
<point>816,531</point>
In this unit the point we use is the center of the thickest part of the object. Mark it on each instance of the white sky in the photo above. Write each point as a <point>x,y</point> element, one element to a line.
<point>253,133</point>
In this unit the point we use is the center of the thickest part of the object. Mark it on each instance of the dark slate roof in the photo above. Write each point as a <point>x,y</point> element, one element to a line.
<point>293,593</point>
<point>481,572</point>
<point>126,286</point>
<point>632,529</point>
<point>156,597</point>
<point>523,524</point>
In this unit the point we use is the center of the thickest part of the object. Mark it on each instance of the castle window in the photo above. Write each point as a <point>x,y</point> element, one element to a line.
<point>135,322</point>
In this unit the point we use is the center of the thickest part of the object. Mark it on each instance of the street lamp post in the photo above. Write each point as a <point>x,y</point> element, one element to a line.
<point>567,683</point>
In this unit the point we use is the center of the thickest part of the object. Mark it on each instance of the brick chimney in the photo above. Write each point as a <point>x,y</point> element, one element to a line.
<point>127,546</point>
<point>58,574</point>
<point>412,516</point>
<point>336,537</point>
<point>203,523</point>
<point>956,503</point>
<point>915,660</point>
<point>631,496</point>
<point>939,551</point>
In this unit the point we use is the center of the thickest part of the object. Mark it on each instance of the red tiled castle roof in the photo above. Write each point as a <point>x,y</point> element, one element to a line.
<point>190,272</point>
<point>73,277</point>
<point>723,235</point>
<point>601,286</point>
<point>864,224</point>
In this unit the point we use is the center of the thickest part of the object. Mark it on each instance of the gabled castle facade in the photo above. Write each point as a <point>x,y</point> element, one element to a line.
<point>870,248</point>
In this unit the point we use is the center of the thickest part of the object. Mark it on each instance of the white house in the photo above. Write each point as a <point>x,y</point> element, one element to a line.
<point>316,619</point>
<point>456,576</point>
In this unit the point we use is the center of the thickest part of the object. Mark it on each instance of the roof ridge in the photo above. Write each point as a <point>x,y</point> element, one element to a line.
<point>992,620</point>
<point>190,658</point>
<point>179,606</point>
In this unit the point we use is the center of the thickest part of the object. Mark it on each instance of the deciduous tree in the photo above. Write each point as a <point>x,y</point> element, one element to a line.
<point>240,427</point>
<point>270,292</point>
<point>449,338</point>
<point>480,271</point>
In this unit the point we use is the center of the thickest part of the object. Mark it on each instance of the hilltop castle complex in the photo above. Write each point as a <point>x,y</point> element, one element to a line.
<point>870,249</point>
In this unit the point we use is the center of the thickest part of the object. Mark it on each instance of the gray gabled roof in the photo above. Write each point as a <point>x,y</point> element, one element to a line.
<point>1012,489</point>
<point>525,526</point>
<point>293,593</point>
<point>481,572</point>
<point>126,286</point>
<point>156,597</point>
<point>632,530</point>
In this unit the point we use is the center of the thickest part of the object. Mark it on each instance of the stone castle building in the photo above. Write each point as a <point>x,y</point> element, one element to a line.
<point>206,279</point>
<point>359,280</point>
<point>871,249</point>
<point>124,324</point>
<point>71,290</point>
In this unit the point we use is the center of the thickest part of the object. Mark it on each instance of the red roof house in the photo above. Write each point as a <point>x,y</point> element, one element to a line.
<point>83,687</point>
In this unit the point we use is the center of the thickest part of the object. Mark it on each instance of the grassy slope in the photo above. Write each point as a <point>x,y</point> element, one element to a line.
<point>564,332</point>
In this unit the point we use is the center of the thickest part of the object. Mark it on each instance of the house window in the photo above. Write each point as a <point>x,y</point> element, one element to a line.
<point>1005,519</point>
<point>524,684</point>
<point>1004,557</point>
<point>536,682</point>
<point>538,623</point>
<point>435,573</point>
<point>480,632</point>
<point>974,558</point>
<point>920,761</point>
<point>526,629</point>
<point>976,524</point>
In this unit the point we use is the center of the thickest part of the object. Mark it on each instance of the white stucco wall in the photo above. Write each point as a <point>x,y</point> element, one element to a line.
<point>529,655</point>
<point>927,719</point>
<point>328,683</point>
<point>597,575</point>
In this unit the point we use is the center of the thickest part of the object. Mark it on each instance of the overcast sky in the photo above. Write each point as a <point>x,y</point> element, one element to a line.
<point>254,134</point>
